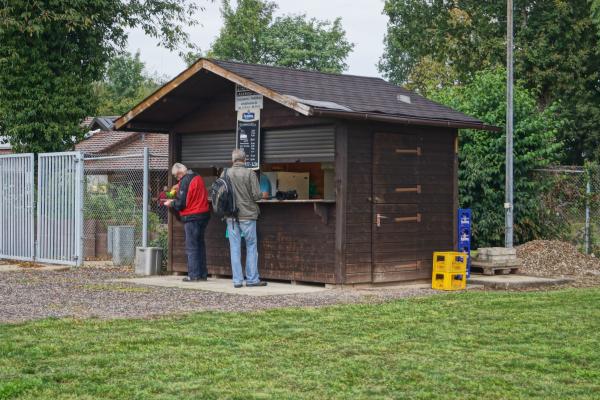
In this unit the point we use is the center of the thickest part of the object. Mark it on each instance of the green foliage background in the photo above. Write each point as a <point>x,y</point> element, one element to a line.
<point>252,34</point>
<point>51,52</point>
<point>482,156</point>
<point>557,54</point>
<point>125,84</point>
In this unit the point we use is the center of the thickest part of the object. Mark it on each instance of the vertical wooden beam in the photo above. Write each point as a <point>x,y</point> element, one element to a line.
<point>341,197</point>
<point>455,191</point>
<point>174,156</point>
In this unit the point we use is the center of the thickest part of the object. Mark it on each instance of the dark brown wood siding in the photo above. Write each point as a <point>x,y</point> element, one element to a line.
<point>294,244</point>
<point>358,209</point>
<point>415,194</point>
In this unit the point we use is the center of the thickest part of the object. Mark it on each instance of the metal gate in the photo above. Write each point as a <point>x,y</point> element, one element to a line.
<point>60,208</point>
<point>16,207</point>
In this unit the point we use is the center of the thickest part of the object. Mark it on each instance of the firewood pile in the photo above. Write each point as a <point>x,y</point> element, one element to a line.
<point>554,258</point>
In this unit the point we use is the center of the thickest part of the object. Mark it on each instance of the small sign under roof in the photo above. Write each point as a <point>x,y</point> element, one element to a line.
<point>246,99</point>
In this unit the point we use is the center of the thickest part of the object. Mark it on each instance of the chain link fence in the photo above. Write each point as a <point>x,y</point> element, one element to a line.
<point>571,206</point>
<point>114,209</point>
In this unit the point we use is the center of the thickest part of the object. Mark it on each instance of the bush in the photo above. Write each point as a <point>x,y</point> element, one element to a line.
<point>482,156</point>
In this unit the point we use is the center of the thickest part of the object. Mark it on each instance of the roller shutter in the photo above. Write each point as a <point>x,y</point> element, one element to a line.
<point>207,149</point>
<point>291,145</point>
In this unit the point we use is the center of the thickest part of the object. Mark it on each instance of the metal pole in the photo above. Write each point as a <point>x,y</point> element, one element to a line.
<point>588,192</point>
<point>508,203</point>
<point>79,229</point>
<point>145,199</point>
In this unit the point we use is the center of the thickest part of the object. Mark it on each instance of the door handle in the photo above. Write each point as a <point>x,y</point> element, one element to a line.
<point>379,218</point>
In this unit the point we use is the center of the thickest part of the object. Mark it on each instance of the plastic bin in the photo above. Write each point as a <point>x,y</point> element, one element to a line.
<point>449,281</point>
<point>449,270</point>
<point>148,260</point>
<point>450,261</point>
<point>123,245</point>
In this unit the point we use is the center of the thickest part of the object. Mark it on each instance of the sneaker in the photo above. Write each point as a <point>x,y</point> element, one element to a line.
<point>188,279</point>
<point>237,285</point>
<point>259,283</point>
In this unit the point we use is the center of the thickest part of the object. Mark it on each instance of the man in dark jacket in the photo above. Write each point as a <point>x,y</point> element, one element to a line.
<point>192,204</point>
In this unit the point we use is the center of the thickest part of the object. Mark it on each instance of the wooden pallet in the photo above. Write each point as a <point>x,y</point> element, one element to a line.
<point>489,270</point>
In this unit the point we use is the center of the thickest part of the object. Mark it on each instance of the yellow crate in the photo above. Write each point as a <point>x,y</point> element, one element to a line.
<point>449,281</point>
<point>450,261</point>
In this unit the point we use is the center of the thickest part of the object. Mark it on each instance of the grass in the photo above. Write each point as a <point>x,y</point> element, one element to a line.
<point>474,345</point>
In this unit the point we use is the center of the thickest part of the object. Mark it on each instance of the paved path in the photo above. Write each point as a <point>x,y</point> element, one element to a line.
<point>225,286</point>
<point>29,293</point>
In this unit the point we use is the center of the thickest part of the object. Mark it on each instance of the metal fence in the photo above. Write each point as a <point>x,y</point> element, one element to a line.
<point>17,207</point>
<point>89,207</point>
<point>122,201</point>
<point>571,205</point>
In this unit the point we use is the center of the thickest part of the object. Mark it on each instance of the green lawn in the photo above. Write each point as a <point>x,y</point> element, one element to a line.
<point>478,345</point>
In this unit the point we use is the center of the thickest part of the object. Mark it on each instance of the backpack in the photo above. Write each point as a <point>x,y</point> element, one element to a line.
<point>223,198</point>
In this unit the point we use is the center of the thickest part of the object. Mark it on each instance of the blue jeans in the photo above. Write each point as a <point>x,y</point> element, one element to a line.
<point>248,227</point>
<point>194,246</point>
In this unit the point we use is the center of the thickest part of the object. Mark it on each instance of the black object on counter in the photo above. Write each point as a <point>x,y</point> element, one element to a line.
<point>288,195</point>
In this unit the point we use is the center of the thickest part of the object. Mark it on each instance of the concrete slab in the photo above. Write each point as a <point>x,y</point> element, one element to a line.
<point>410,286</point>
<point>515,281</point>
<point>224,286</point>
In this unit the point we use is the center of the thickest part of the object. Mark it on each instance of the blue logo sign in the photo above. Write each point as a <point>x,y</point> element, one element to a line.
<point>248,116</point>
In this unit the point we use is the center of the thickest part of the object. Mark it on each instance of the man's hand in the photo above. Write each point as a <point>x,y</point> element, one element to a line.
<point>168,203</point>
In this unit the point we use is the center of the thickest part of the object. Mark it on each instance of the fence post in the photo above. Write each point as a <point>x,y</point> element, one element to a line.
<point>145,199</point>
<point>588,192</point>
<point>79,192</point>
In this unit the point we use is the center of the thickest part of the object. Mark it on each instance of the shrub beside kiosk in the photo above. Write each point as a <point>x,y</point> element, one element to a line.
<point>380,163</point>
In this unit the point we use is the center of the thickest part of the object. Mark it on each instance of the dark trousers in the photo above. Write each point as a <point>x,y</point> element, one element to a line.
<point>194,246</point>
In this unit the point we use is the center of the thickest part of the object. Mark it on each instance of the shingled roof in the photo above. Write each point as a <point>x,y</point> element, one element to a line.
<point>323,94</point>
<point>350,93</point>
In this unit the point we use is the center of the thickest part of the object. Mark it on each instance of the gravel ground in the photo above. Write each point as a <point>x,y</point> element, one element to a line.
<point>553,258</point>
<point>88,292</point>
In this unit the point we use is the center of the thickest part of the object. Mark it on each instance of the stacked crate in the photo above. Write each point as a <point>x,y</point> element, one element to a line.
<point>449,270</point>
<point>464,235</point>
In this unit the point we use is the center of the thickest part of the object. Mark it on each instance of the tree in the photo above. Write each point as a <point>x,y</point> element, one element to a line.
<point>556,54</point>
<point>251,34</point>
<point>51,52</point>
<point>125,84</point>
<point>595,5</point>
<point>481,156</point>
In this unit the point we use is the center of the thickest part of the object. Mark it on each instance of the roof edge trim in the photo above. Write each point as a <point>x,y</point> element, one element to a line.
<point>404,120</point>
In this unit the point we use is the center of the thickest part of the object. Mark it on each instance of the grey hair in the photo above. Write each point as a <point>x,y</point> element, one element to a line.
<point>178,167</point>
<point>238,155</point>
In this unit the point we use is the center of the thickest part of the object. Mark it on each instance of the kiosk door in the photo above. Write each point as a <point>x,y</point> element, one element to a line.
<point>396,215</point>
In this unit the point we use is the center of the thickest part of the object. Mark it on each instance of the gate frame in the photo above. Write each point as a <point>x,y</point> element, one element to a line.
<point>78,210</point>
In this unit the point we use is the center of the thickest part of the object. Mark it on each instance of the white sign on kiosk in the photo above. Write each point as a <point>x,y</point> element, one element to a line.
<point>246,99</point>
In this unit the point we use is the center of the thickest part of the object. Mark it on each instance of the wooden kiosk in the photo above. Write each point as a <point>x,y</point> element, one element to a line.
<point>381,163</point>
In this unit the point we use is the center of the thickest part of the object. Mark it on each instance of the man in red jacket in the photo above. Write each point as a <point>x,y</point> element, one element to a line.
<point>192,204</point>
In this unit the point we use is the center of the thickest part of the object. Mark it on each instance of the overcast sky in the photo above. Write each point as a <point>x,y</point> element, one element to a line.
<point>362,19</point>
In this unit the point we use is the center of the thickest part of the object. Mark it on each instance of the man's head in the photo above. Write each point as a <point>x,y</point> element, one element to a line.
<point>238,155</point>
<point>178,170</point>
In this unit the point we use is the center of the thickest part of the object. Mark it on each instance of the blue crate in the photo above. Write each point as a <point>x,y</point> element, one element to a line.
<point>464,234</point>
